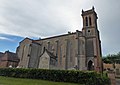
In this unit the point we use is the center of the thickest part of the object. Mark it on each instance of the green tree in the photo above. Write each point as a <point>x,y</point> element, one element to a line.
<point>112,58</point>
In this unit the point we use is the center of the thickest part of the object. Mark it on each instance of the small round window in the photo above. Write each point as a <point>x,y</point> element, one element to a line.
<point>88,30</point>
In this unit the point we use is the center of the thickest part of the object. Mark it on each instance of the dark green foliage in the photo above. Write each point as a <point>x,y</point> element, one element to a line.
<point>112,58</point>
<point>87,78</point>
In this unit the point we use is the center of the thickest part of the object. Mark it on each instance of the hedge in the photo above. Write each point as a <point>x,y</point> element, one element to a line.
<point>87,78</point>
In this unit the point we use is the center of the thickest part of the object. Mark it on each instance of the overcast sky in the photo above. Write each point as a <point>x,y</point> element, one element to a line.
<point>43,18</point>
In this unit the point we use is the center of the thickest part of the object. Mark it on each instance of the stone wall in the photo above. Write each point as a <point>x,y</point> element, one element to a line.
<point>111,68</point>
<point>64,47</point>
<point>23,52</point>
<point>44,61</point>
<point>111,75</point>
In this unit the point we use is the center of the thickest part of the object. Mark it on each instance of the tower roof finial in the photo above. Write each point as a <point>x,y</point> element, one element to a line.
<point>93,8</point>
<point>82,10</point>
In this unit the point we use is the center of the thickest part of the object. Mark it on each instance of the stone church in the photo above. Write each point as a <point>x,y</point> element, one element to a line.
<point>80,50</point>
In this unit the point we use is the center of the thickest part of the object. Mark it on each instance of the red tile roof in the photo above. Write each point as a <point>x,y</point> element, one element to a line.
<point>9,56</point>
<point>1,54</point>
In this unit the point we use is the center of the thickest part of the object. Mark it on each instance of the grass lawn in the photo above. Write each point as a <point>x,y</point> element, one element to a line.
<point>20,81</point>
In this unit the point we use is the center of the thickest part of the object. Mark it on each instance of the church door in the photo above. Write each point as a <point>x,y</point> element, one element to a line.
<point>90,65</point>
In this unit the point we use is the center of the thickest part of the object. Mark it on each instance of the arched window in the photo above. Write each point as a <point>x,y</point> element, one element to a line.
<point>90,22</point>
<point>86,20</point>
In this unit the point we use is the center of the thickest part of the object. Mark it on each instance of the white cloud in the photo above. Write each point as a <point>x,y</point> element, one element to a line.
<point>5,38</point>
<point>38,18</point>
<point>42,18</point>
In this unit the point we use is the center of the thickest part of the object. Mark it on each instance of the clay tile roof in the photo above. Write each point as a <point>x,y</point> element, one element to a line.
<point>9,56</point>
<point>1,54</point>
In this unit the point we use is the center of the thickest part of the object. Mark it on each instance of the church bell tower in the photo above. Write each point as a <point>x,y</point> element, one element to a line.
<point>89,23</point>
<point>92,40</point>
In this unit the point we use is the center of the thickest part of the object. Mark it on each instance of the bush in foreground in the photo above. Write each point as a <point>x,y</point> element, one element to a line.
<point>88,78</point>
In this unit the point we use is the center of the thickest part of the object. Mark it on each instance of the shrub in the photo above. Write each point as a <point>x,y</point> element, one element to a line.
<point>88,77</point>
